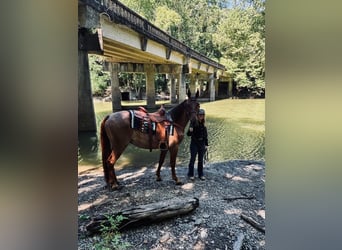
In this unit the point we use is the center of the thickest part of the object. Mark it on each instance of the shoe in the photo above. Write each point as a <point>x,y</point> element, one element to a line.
<point>202,178</point>
<point>192,178</point>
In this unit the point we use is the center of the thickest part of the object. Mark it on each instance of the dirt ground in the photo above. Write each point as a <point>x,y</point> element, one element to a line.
<point>231,188</point>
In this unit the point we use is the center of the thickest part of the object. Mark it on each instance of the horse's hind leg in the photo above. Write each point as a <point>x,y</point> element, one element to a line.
<point>110,176</point>
<point>112,182</point>
<point>161,161</point>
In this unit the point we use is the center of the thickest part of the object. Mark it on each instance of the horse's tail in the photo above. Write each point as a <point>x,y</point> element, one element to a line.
<point>106,148</point>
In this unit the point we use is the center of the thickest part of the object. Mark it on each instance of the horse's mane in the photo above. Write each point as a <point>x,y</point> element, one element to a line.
<point>177,111</point>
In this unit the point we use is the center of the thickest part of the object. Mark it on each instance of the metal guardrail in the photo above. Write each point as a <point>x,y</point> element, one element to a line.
<point>122,14</point>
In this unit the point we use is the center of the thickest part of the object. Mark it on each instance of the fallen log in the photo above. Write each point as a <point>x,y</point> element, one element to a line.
<point>238,198</point>
<point>252,222</point>
<point>144,214</point>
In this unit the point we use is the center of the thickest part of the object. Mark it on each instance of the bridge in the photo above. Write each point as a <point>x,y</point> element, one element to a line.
<point>129,43</point>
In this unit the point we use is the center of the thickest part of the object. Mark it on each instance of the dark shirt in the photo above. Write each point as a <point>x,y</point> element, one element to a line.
<point>199,133</point>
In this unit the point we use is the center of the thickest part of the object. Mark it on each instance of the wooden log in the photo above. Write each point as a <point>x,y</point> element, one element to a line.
<point>239,198</point>
<point>145,214</point>
<point>252,222</point>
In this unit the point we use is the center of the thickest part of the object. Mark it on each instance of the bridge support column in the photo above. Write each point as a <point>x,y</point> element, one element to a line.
<point>150,86</point>
<point>86,114</point>
<point>192,84</point>
<point>181,87</point>
<point>173,93</point>
<point>116,93</point>
<point>202,90</point>
<point>216,85</point>
<point>212,87</point>
<point>199,85</point>
<point>230,88</point>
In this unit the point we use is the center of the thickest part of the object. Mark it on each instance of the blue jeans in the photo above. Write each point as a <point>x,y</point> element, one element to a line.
<point>196,147</point>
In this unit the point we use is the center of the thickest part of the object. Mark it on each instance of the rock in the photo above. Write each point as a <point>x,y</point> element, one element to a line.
<point>203,234</point>
<point>198,222</point>
<point>165,238</point>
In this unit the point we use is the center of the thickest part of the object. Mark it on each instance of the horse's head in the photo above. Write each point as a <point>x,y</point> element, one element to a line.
<point>192,106</point>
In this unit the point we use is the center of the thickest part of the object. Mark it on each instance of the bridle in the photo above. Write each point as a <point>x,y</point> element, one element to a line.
<point>189,113</point>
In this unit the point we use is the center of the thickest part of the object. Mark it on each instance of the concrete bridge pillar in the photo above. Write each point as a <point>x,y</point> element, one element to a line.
<point>198,84</point>
<point>87,19</point>
<point>192,84</point>
<point>216,87</point>
<point>173,93</point>
<point>86,114</point>
<point>150,85</point>
<point>212,87</point>
<point>200,81</point>
<point>230,88</point>
<point>116,94</point>
<point>181,87</point>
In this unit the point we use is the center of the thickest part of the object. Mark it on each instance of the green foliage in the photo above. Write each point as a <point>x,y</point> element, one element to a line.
<point>241,39</point>
<point>110,236</point>
<point>99,78</point>
<point>144,8</point>
<point>167,19</point>
<point>83,217</point>
<point>160,83</point>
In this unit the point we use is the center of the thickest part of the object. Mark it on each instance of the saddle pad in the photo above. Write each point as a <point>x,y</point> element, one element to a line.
<point>142,125</point>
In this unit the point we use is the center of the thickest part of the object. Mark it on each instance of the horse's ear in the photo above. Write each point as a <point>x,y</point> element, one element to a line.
<point>197,93</point>
<point>189,93</point>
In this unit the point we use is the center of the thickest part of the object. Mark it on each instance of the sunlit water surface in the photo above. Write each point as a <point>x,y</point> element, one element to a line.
<point>236,130</point>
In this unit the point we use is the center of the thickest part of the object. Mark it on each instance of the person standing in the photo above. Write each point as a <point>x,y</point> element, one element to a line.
<point>198,145</point>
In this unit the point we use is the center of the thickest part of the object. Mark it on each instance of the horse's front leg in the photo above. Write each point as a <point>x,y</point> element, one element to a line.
<point>173,157</point>
<point>161,161</point>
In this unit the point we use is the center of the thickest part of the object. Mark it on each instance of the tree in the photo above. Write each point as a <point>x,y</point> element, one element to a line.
<point>241,39</point>
<point>100,79</point>
<point>167,20</point>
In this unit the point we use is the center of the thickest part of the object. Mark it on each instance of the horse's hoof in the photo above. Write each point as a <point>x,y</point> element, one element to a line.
<point>159,179</point>
<point>112,187</point>
<point>116,187</point>
<point>179,183</point>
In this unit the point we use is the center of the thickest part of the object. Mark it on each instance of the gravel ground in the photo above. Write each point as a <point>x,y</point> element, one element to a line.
<point>232,188</point>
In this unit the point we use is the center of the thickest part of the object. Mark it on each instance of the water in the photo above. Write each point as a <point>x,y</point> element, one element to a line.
<point>236,130</point>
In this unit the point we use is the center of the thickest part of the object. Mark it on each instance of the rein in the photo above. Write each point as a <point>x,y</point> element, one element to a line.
<point>179,126</point>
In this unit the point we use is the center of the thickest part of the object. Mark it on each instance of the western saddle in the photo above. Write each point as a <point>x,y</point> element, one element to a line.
<point>158,123</point>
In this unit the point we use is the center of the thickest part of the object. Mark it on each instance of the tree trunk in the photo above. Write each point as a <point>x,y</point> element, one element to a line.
<point>145,214</point>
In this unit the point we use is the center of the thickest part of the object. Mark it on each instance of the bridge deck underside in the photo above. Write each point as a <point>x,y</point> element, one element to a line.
<point>121,53</point>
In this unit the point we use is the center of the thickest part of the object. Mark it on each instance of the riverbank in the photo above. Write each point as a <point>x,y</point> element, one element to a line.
<point>232,188</point>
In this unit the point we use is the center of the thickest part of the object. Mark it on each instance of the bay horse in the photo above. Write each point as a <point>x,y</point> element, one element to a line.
<point>117,133</point>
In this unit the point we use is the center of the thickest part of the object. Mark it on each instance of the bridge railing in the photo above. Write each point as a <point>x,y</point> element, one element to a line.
<point>122,14</point>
